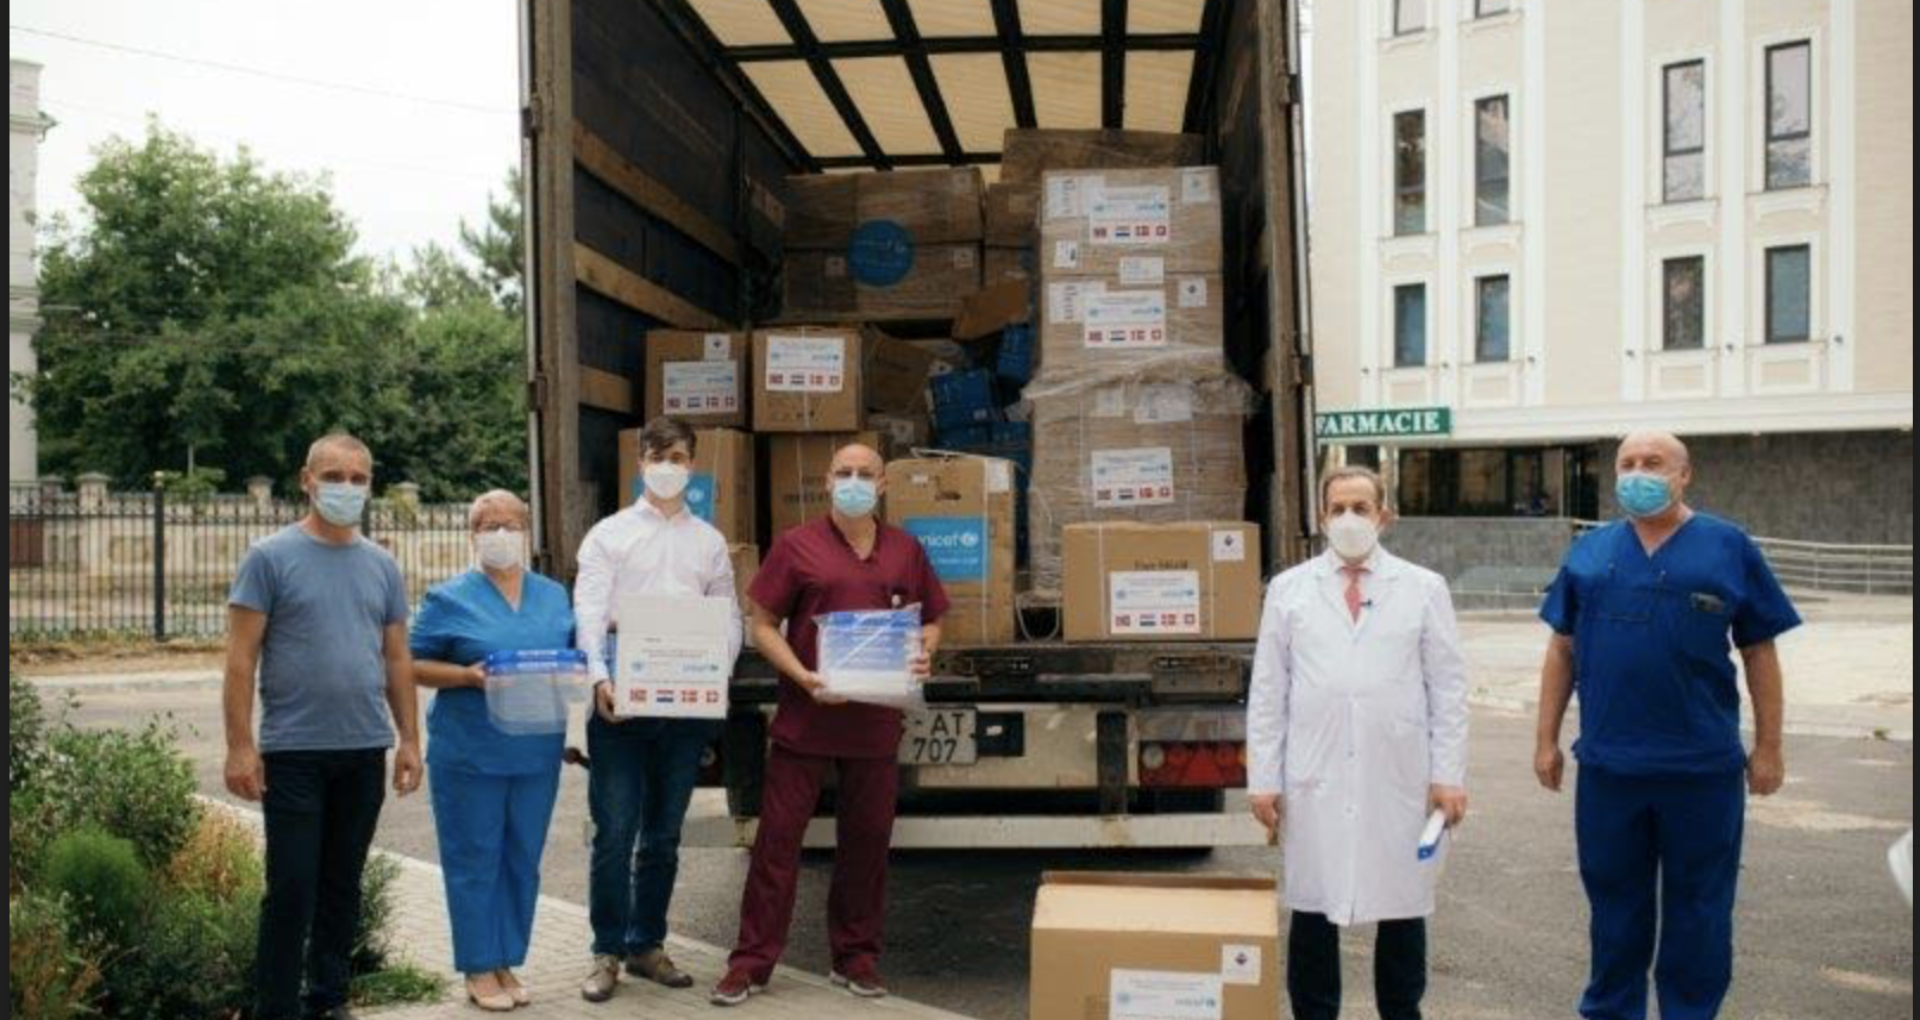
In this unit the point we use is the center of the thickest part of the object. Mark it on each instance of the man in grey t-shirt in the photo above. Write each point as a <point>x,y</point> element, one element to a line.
<point>319,614</point>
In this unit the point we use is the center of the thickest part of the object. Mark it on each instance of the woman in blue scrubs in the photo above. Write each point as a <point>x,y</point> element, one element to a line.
<point>492,792</point>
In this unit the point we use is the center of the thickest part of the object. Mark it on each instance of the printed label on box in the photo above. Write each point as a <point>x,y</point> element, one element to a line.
<point>1193,291</point>
<point>1066,254</point>
<point>1110,402</point>
<point>1164,995</point>
<point>1141,477</point>
<point>1153,602</point>
<point>1196,187</point>
<point>1126,319</point>
<point>719,347</point>
<point>806,364</point>
<point>999,477</point>
<point>1134,215</point>
<point>1240,965</point>
<point>1163,404</point>
<point>956,546</point>
<point>1229,547</point>
<point>1068,196</point>
<point>1142,270</point>
<point>1067,301</point>
<point>700,387</point>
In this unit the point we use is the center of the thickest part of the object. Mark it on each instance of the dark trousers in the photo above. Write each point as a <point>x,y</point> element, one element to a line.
<point>868,796</point>
<point>321,808</point>
<point>1660,858</point>
<point>1313,968</point>
<point>642,780</point>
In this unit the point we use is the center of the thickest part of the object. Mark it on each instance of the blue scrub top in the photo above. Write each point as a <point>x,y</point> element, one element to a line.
<point>462,622</point>
<point>1653,640</point>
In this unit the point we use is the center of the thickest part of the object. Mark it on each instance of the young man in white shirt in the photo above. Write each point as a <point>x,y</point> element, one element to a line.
<point>1356,730</point>
<point>643,770</point>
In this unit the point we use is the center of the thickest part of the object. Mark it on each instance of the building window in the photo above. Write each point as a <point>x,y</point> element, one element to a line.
<point>1410,173</point>
<point>1409,16</point>
<point>1684,304</point>
<point>1489,8</point>
<point>1789,294</point>
<point>1490,148</point>
<point>1789,115</point>
<point>1684,144</point>
<point>1492,306</point>
<point>1410,325</point>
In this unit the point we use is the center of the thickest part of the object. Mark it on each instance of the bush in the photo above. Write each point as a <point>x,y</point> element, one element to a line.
<point>100,878</point>
<point>194,961</point>
<point>134,784</point>
<point>49,977</point>
<point>370,947</point>
<point>26,731</point>
<point>220,860</point>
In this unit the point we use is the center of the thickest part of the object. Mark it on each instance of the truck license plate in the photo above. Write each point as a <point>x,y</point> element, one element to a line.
<point>947,736</point>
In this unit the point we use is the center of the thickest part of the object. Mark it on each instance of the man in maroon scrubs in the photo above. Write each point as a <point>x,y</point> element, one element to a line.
<point>847,561</point>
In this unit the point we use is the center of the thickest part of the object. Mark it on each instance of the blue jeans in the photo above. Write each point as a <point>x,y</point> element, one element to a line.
<point>1660,857</point>
<point>638,790</point>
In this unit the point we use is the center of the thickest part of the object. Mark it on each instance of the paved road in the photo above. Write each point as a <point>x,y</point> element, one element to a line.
<point>1822,932</point>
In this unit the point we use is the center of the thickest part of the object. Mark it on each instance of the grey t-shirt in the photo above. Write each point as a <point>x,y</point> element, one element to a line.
<point>323,676</point>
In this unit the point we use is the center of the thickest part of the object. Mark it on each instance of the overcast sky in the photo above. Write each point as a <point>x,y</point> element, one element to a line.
<point>407,105</point>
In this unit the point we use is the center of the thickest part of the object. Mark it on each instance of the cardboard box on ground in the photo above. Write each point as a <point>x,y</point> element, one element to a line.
<point>1193,581</point>
<point>1149,947</point>
<point>962,511</point>
<point>808,379</point>
<point>722,490</point>
<point>797,474</point>
<point>697,377</point>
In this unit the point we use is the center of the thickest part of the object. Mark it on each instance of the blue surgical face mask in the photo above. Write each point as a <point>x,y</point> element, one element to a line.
<point>855,497</point>
<point>340,504</point>
<point>1642,494</point>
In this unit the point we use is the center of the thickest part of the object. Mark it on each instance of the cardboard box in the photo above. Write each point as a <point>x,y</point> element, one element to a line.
<point>882,284</point>
<point>1093,221</point>
<point>901,434</point>
<point>797,474</point>
<point>699,378</point>
<point>896,375</point>
<point>1102,938</point>
<point>1008,265</point>
<point>746,563</point>
<point>1013,213</point>
<point>993,309</point>
<point>962,509</point>
<point>1117,321</point>
<point>808,379</point>
<point>721,491</point>
<point>922,206</point>
<point>1196,581</point>
<point>1029,152</point>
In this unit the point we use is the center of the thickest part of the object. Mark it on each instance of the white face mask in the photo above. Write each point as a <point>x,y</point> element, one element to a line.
<point>666,481</point>
<point>1352,536</point>
<point>500,549</point>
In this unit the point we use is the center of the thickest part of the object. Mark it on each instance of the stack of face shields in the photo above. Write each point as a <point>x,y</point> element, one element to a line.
<point>530,692</point>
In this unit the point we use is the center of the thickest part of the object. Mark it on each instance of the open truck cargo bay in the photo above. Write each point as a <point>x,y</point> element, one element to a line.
<point>658,139</point>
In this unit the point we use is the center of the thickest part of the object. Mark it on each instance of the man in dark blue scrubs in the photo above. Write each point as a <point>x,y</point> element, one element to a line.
<point>1646,613</point>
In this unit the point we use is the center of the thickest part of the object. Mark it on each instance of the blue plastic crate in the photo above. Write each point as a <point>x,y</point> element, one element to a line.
<point>963,398</point>
<point>1015,362</point>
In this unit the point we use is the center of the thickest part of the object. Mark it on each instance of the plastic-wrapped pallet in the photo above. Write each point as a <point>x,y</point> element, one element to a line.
<point>1092,324</point>
<point>1160,441</point>
<point>1109,223</point>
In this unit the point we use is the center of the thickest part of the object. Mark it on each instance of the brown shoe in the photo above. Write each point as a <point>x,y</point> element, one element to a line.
<point>656,966</point>
<point>603,980</point>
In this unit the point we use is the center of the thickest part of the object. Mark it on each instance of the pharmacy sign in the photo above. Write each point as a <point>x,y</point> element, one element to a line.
<point>1382,425</point>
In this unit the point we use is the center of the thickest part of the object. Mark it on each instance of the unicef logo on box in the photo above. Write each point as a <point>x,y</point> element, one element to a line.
<point>881,254</point>
<point>956,546</point>
<point>700,497</point>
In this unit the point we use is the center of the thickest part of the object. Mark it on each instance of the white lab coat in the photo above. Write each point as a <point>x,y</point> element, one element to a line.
<point>1351,723</point>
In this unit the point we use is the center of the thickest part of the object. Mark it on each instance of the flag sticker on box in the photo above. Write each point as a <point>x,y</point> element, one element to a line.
<point>1125,319</point>
<point>806,364</point>
<point>1139,477</point>
<point>670,653</point>
<point>1142,214</point>
<point>700,387</point>
<point>1154,601</point>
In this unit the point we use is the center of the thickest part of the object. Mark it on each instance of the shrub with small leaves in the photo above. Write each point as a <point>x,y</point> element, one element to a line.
<point>49,975</point>
<point>100,878</point>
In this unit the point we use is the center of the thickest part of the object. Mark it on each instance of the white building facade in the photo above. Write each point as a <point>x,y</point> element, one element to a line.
<point>27,126</point>
<point>1556,222</point>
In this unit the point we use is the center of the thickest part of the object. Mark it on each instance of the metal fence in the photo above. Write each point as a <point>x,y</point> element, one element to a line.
<point>100,562</point>
<point>1827,567</point>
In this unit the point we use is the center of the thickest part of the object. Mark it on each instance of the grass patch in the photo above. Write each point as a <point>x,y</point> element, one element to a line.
<point>397,985</point>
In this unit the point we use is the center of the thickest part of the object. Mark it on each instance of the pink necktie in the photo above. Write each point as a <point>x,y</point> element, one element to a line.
<point>1354,601</point>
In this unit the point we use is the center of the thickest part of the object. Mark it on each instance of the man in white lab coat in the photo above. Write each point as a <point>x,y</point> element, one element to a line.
<point>1356,733</point>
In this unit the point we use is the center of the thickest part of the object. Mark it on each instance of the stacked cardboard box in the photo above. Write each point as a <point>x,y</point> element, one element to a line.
<point>1195,581</point>
<point>797,468</point>
<point>1014,203</point>
<point>877,247</point>
<point>962,511</point>
<point>700,378</point>
<point>809,379</point>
